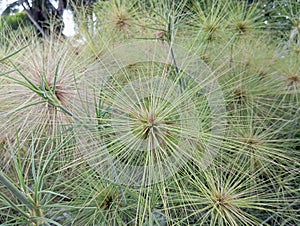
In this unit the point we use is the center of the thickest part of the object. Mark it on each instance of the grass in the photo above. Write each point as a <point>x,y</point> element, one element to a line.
<point>163,114</point>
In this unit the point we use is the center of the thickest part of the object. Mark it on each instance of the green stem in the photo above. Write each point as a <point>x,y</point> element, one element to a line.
<point>15,191</point>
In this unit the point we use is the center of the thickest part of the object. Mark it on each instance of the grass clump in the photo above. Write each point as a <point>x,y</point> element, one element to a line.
<point>148,132</point>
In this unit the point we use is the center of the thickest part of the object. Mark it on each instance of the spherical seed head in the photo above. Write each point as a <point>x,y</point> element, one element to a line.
<point>44,80</point>
<point>293,80</point>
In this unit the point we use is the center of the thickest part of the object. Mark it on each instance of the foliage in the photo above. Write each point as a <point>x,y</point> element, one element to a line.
<point>164,113</point>
<point>15,21</point>
<point>44,15</point>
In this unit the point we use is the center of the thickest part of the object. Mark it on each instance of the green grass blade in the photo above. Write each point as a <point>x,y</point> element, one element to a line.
<point>12,54</point>
<point>15,191</point>
<point>13,205</point>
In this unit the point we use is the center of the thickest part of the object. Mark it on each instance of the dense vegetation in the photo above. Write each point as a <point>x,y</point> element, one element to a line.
<point>155,113</point>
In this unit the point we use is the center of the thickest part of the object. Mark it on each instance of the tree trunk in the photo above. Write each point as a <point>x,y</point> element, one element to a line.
<point>44,16</point>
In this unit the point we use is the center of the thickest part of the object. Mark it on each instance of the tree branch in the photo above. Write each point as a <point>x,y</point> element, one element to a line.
<point>35,23</point>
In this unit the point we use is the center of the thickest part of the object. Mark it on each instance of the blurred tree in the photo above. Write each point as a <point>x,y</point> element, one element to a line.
<point>15,21</point>
<point>47,15</point>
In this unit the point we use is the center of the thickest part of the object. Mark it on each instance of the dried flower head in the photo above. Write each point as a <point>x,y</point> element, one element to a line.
<point>38,94</point>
